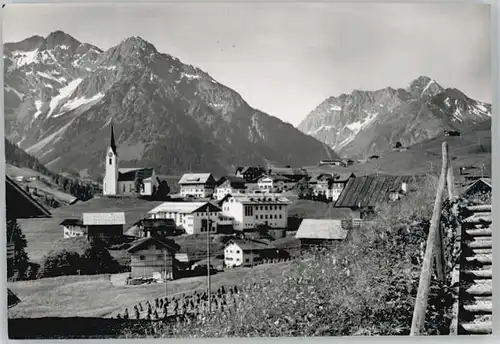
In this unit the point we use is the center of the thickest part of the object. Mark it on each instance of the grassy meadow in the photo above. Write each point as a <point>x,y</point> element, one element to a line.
<point>97,296</point>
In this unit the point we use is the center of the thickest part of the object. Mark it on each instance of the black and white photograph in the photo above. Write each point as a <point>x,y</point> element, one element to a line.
<point>238,169</point>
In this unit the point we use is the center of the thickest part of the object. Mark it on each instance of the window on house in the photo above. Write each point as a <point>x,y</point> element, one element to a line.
<point>238,251</point>
<point>123,188</point>
<point>266,217</point>
<point>110,161</point>
<point>247,260</point>
<point>237,259</point>
<point>261,216</point>
<point>142,257</point>
<point>281,216</point>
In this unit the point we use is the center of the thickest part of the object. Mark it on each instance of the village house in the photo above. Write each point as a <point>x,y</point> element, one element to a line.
<point>274,183</point>
<point>191,217</point>
<point>73,228</point>
<point>239,252</point>
<point>153,257</point>
<point>451,133</point>
<point>229,185</point>
<point>197,185</point>
<point>249,173</point>
<point>321,232</point>
<point>249,211</point>
<point>105,226</point>
<point>294,174</point>
<point>331,185</point>
<point>122,181</point>
<point>152,227</point>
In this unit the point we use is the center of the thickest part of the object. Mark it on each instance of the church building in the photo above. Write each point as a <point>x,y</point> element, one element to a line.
<point>122,181</point>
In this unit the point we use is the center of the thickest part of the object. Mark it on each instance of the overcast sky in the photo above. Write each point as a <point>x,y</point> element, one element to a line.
<point>285,59</point>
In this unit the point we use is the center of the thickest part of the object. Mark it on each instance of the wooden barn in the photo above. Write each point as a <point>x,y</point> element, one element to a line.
<point>151,256</point>
<point>106,226</point>
<point>362,194</point>
<point>322,232</point>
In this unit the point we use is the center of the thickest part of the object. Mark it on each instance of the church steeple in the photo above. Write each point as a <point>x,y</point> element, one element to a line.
<point>113,145</point>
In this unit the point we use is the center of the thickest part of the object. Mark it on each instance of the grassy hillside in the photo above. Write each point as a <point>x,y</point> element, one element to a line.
<point>43,234</point>
<point>40,188</point>
<point>97,296</point>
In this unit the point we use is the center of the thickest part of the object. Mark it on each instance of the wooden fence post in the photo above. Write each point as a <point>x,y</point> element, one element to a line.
<point>426,273</point>
<point>440,256</point>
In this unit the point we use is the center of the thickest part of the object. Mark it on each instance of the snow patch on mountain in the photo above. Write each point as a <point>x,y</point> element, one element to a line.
<point>189,76</point>
<point>77,102</point>
<point>23,58</point>
<point>64,93</point>
<point>51,77</point>
<point>357,126</point>
<point>321,128</point>
<point>427,86</point>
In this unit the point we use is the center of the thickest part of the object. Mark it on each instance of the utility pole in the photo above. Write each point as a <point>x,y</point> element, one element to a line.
<point>165,258</point>
<point>208,259</point>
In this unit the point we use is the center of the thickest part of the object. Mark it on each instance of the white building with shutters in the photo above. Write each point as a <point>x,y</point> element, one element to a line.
<point>192,217</point>
<point>249,211</point>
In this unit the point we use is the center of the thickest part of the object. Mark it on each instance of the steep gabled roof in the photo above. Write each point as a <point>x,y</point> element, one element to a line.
<point>257,199</point>
<point>20,204</point>
<point>12,299</point>
<point>97,219</point>
<point>336,177</point>
<point>71,222</point>
<point>247,245</point>
<point>235,181</point>
<point>322,229</point>
<point>486,181</point>
<point>128,174</point>
<point>195,178</point>
<point>369,191</point>
<point>169,244</point>
<point>113,144</point>
<point>275,177</point>
<point>184,207</point>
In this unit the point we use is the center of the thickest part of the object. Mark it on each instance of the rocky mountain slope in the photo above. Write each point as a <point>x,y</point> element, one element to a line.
<point>363,123</point>
<point>61,96</point>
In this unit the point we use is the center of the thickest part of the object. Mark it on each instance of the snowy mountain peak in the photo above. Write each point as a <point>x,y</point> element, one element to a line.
<point>371,122</point>
<point>424,86</point>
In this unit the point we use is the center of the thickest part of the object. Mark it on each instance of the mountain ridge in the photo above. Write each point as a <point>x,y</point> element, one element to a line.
<point>363,123</point>
<point>166,114</point>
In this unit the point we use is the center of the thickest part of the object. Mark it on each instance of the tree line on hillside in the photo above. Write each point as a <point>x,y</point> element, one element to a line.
<point>83,191</point>
<point>18,157</point>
